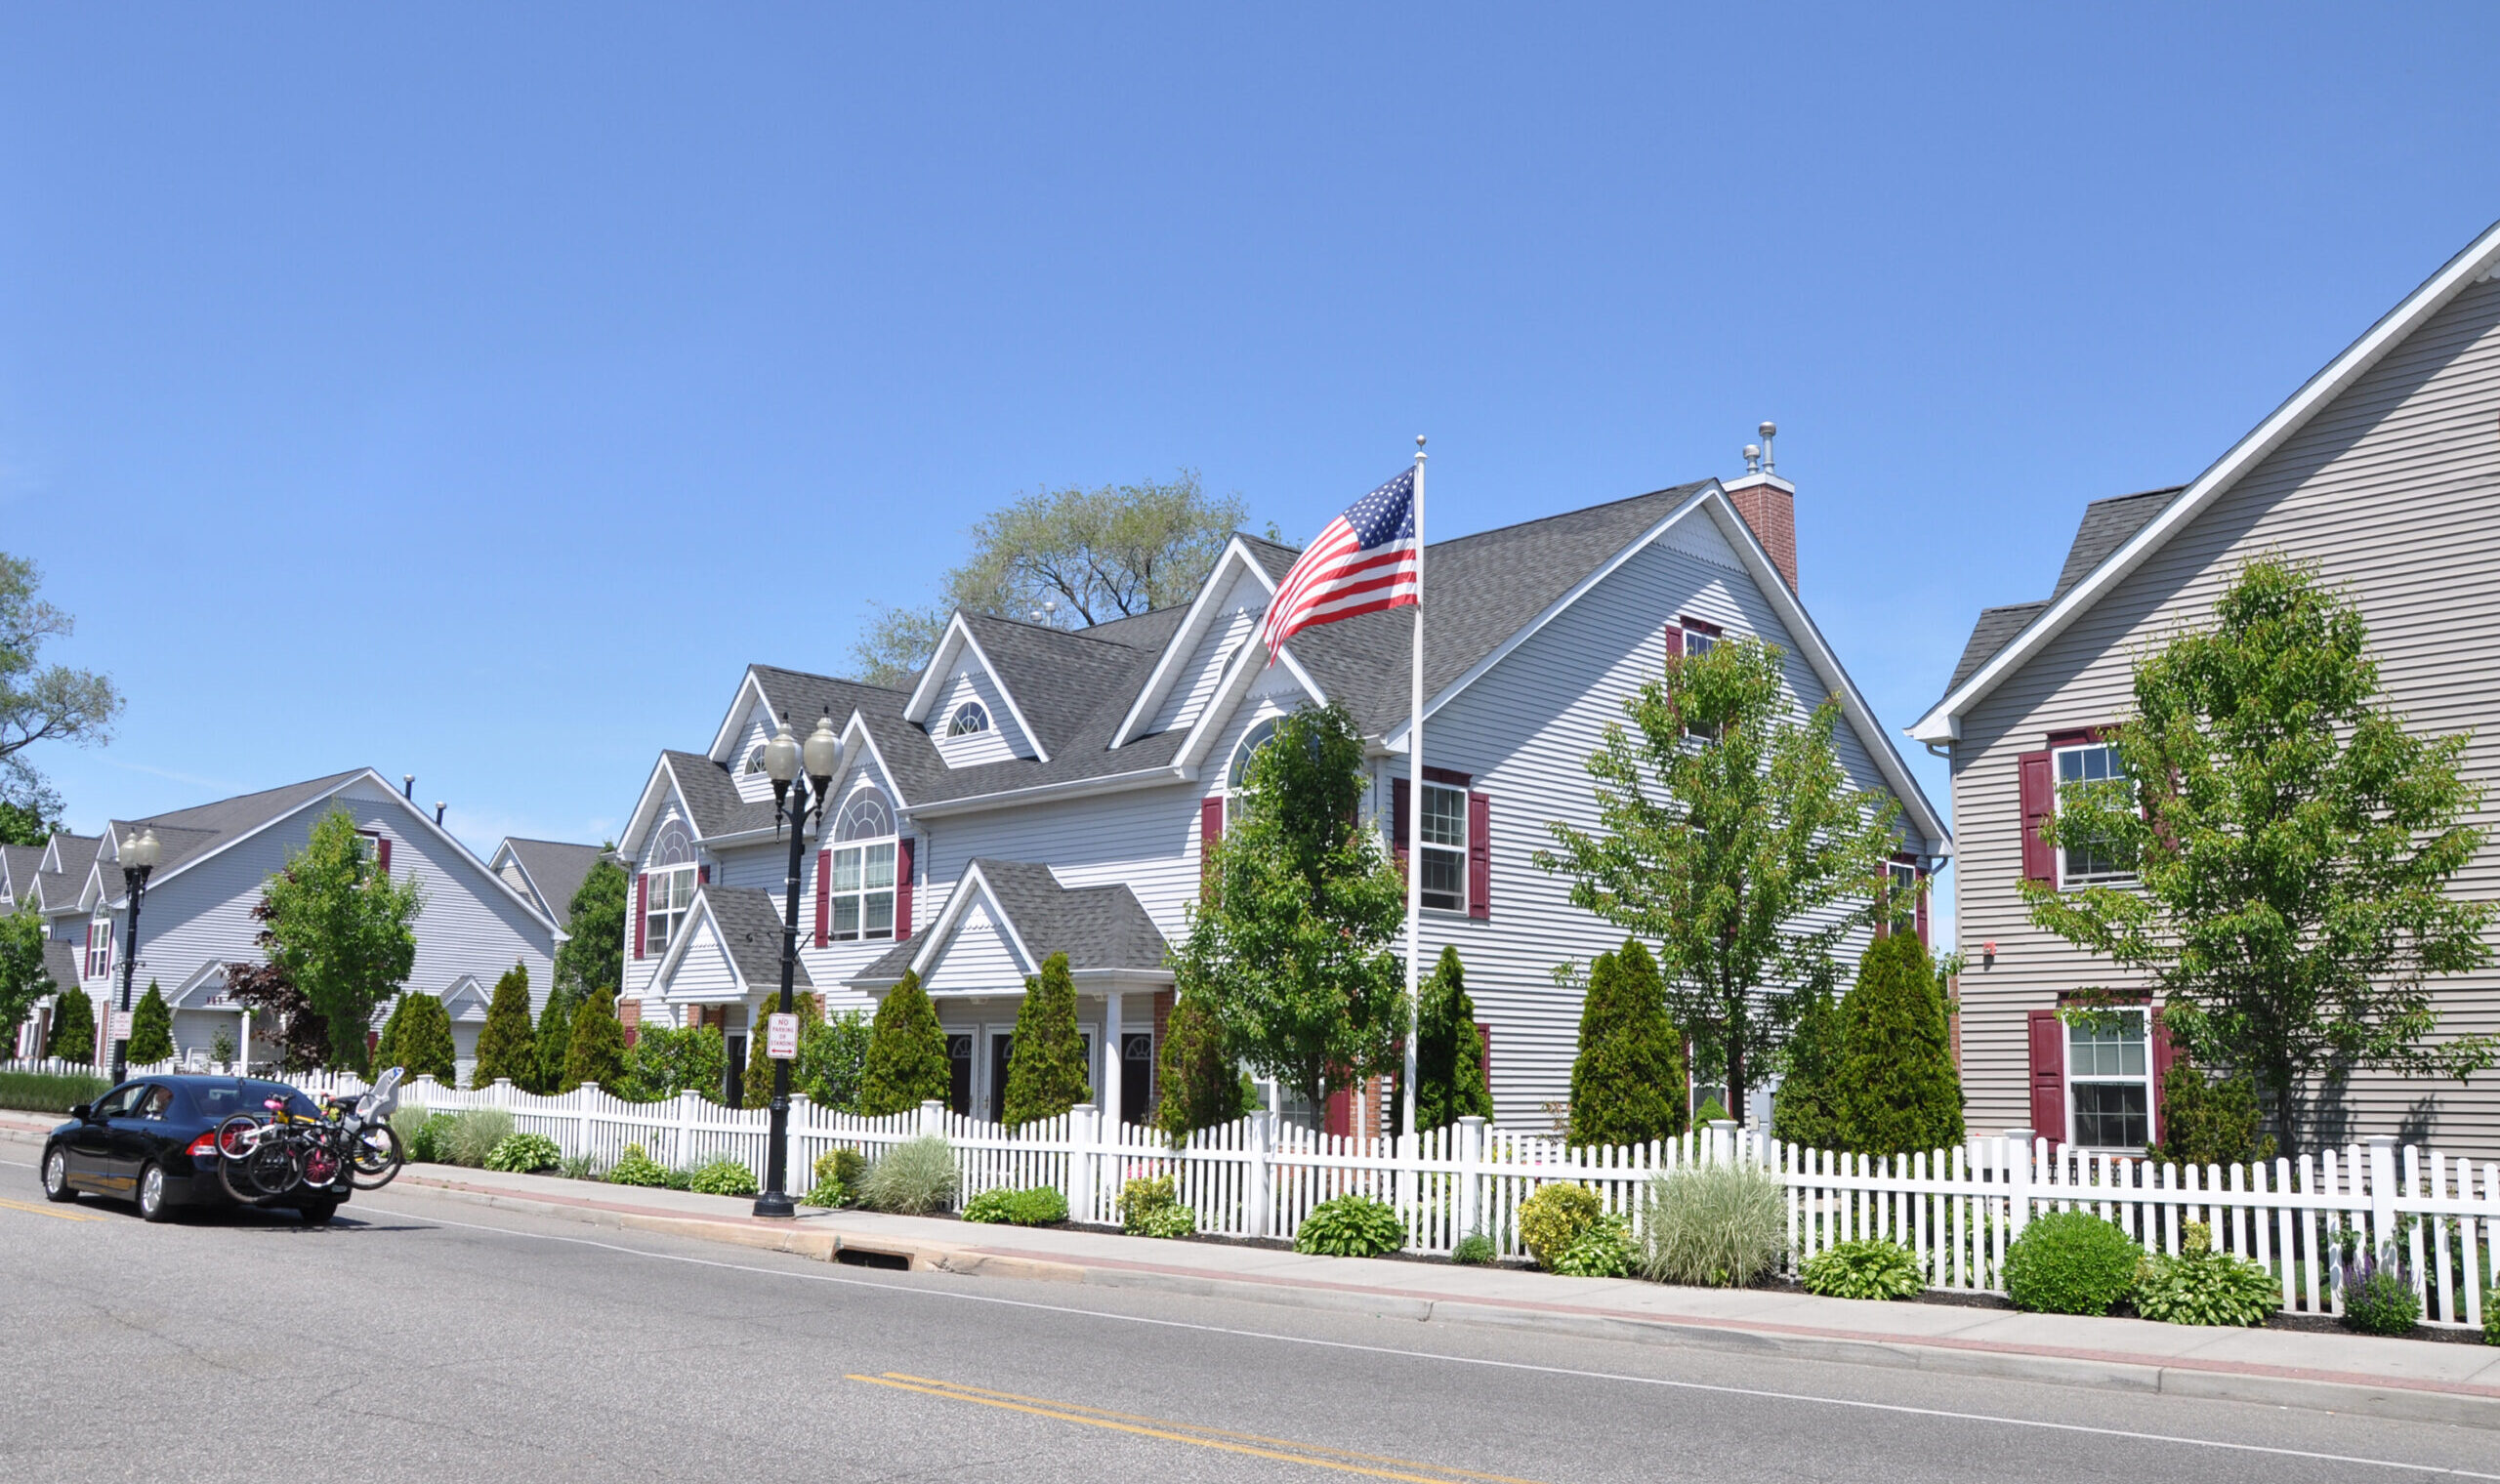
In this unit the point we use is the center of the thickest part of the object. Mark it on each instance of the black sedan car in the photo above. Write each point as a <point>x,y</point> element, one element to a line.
<point>152,1140</point>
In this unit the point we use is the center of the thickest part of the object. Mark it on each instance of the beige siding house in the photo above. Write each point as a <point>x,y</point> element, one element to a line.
<point>2384,470</point>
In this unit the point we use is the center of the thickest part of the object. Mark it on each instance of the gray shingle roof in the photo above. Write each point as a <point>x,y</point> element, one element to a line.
<point>61,887</point>
<point>750,927</point>
<point>2107,527</point>
<point>17,865</point>
<point>1095,926</point>
<point>60,960</point>
<point>1058,677</point>
<point>186,834</point>
<point>709,795</point>
<point>555,869</point>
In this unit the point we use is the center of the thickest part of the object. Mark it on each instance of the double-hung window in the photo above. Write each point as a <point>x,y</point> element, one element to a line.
<point>2090,862</point>
<point>99,946</point>
<point>1698,641</point>
<point>860,883</point>
<point>667,896</point>
<point>1444,843</point>
<point>2109,1080</point>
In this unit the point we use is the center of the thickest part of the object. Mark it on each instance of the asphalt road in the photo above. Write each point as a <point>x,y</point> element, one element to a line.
<point>422,1337</point>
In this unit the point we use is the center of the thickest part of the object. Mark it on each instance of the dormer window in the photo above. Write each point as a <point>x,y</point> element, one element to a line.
<point>968,717</point>
<point>755,759</point>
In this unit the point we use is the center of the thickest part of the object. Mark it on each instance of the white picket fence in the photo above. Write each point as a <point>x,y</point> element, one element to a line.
<point>1957,1209</point>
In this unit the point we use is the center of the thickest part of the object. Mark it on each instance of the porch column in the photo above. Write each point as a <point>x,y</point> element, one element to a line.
<point>1111,1059</point>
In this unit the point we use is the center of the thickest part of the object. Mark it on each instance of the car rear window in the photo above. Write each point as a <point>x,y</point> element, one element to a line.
<point>219,1100</point>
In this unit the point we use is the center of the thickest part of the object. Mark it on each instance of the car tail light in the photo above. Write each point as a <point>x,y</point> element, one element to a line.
<point>204,1146</point>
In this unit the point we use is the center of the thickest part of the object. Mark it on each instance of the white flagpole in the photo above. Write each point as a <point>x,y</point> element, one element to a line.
<point>1414,812</point>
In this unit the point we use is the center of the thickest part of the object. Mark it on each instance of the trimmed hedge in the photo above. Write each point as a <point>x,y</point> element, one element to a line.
<point>2070,1263</point>
<point>1554,1217</point>
<point>1038,1206</point>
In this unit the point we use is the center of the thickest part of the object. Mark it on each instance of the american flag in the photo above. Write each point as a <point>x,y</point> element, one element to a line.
<point>1364,561</point>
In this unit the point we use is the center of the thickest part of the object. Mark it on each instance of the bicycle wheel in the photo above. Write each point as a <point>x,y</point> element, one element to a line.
<point>273,1170</point>
<point>237,1135</point>
<point>378,1157</point>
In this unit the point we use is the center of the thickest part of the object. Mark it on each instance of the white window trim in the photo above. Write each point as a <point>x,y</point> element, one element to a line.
<point>970,711</point>
<point>1459,850</point>
<point>2056,806</point>
<point>2141,1014</point>
<point>862,896</point>
<point>658,906</point>
<point>1238,760</point>
<point>99,946</point>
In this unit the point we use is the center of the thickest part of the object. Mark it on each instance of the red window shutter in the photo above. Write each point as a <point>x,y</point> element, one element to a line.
<point>1485,1040</point>
<point>1339,1119</point>
<point>1210,830</point>
<point>2048,1076</point>
<point>1480,857</point>
<point>2163,1056</point>
<point>824,898</point>
<point>2040,802</point>
<point>641,909</point>
<point>1924,884</point>
<point>1398,817</point>
<point>381,854</point>
<point>904,853</point>
<point>1675,643</point>
<point>703,876</point>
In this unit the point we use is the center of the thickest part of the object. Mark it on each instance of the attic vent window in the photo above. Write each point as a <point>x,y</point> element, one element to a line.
<point>755,759</point>
<point>968,717</point>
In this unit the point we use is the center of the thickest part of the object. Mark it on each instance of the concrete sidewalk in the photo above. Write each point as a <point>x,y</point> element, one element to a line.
<point>2429,1382</point>
<point>2444,1383</point>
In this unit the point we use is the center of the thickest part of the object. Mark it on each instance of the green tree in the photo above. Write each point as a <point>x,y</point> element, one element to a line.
<point>20,825</point>
<point>1449,1051</point>
<point>1046,1074</point>
<point>1198,1080</point>
<point>73,1027</point>
<point>2205,1122</point>
<point>1303,902</point>
<point>906,1063</point>
<point>593,957</point>
<point>24,980</point>
<point>1092,554</point>
<point>555,1041</point>
<point>597,1053</point>
<point>38,703</point>
<point>1899,1092</point>
<point>424,1044</point>
<point>151,1029</point>
<point>663,1064</point>
<point>1806,1110</point>
<point>340,930</point>
<point>1628,1082</point>
<point>755,1091</point>
<point>291,1024</point>
<point>2292,847</point>
<point>1732,838</point>
<point>507,1047</point>
<point>833,1055</point>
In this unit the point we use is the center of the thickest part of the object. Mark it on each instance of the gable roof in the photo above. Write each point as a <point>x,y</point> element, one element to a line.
<point>555,869</point>
<point>76,856</point>
<point>18,867</point>
<point>61,962</point>
<point>749,927</point>
<point>2106,526</point>
<point>1101,929</point>
<point>1943,720</point>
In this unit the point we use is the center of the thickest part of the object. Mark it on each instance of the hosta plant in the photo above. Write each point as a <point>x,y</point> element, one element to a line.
<point>2203,1285</point>
<point>1350,1226</point>
<point>1605,1250</point>
<point>1151,1208</point>
<point>635,1168</point>
<point>521,1153</point>
<point>722,1177</point>
<point>1872,1268</point>
<point>1038,1206</point>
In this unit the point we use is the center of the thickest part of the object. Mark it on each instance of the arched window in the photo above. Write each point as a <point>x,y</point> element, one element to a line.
<point>668,892</point>
<point>755,759</point>
<point>968,717</point>
<point>860,879</point>
<point>1256,738</point>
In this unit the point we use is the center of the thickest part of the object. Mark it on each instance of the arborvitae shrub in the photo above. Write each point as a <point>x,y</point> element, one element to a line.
<point>755,1090</point>
<point>597,1050</point>
<point>1899,1092</point>
<point>2070,1263</point>
<point>507,1047</point>
<point>555,1041</point>
<point>386,1047</point>
<point>663,1062</point>
<point>1198,1083</point>
<point>1046,1068</point>
<point>2210,1122</point>
<point>73,1027</point>
<point>1627,1086</point>
<point>1805,1109</point>
<point>907,1053</point>
<point>1449,1051</point>
<point>1711,1111</point>
<point>424,1047</point>
<point>151,1029</point>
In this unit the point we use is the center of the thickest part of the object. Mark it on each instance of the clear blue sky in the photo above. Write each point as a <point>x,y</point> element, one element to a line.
<point>471,392</point>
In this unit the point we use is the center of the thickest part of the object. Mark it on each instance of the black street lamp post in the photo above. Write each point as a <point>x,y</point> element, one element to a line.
<point>794,797</point>
<point>138,856</point>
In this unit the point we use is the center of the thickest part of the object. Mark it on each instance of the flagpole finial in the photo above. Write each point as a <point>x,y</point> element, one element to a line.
<point>1419,440</point>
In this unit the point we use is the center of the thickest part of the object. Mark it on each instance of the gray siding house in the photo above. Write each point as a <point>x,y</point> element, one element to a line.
<point>1042,791</point>
<point>197,915</point>
<point>2384,470</point>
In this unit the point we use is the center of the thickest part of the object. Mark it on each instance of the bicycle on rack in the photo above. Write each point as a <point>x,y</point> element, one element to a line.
<point>280,1155</point>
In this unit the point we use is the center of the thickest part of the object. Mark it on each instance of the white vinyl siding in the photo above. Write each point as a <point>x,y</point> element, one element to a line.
<point>999,742</point>
<point>1231,625</point>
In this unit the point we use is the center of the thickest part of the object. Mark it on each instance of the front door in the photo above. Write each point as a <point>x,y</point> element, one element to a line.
<point>1137,1076</point>
<point>1002,1045</point>
<point>959,1074</point>
<point>733,1075</point>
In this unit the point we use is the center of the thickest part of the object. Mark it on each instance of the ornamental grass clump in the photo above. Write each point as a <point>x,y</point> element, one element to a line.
<point>1474,1250</point>
<point>722,1177</point>
<point>2070,1263</point>
<point>1035,1206</point>
<point>1151,1208</point>
<point>472,1136</point>
<point>635,1168</point>
<point>2203,1285</point>
<point>2378,1294</point>
<point>914,1178</point>
<point>1716,1225</point>
<point>1350,1226</point>
<point>1871,1269</point>
<point>1555,1217</point>
<point>521,1153</point>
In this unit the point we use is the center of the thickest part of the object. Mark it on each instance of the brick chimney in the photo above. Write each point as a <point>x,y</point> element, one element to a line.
<point>1768,503</point>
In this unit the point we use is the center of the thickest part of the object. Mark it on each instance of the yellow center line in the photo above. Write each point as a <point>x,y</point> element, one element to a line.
<point>31,1208</point>
<point>1187,1433</point>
